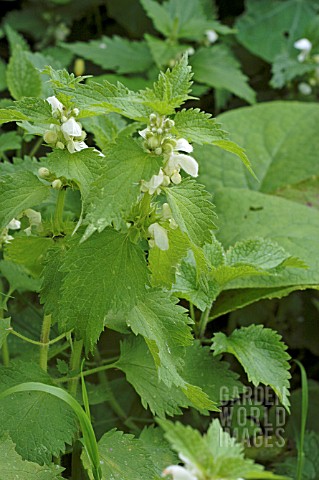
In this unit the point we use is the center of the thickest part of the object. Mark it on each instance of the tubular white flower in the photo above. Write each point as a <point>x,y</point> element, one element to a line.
<point>178,473</point>
<point>159,234</point>
<point>211,36</point>
<point>76,146</point>
<point>14,224</point>
<point>179,160</point>
<point>56,105</point>
<point>143,132</point>
<point>71,128</point>
<point>183,145</point>
<point>304,45</point>
<point>154,183</point>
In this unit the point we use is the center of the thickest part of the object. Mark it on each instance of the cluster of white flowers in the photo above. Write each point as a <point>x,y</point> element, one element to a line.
<point>68,133</point>
<point>305,46</point>
<point>34,218</point>
<point>159,140</point>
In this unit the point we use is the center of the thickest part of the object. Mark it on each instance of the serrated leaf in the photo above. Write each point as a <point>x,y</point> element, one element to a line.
<point>232,147</point>
<point>52,278</point>
<point>171,89</point>
<point>163,324</point>
<point>22,77</point>
<point>217,67</point>
<point>198,127</point>
<point>31,109</point>
<point>158,447</point>
<point>126,164</point>
<point>213,455</point>
<point>105,128</point>
<point>15,38</point>
<point>82,167</point>
<point>45,423</point>
<point>123,457</point>
<point>18,277</point>
<point>113,277</point>
<point>138,365</point>
<point>262,354</point>
<point>4,329</point>
<point>17,192</point>
<point>116,53</point>
<point>12,465</point>
<point>192,210</point>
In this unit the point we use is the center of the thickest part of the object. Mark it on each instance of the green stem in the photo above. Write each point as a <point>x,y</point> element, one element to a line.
<point>203,322</point>
<point>192,311</point>
<point>58,214</point>
<point>44,348</point>
<point>75,363</point>
<point>36,147</point>
<point>35,342</point>
<point>92,371</point>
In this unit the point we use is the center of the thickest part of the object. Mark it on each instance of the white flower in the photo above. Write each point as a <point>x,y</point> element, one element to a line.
<point>14,224</point>
<point>153,184</point>
<point>159,236</point>
<point>178,473</point>
<point>76,146</point>
<point>183,145</point>
<point>56,105</point>
<point>304,88</point>
<point>304,45</point>
<point>211,36</point>
<point>180,160</point>
<point>71,128</point>
<point>34,220</point>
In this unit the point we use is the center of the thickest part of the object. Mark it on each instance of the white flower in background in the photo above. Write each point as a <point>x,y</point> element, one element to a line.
<point>178,473</point>
<point>211,36</point>
<point>304,45</point>
<point>159,236</point>
<point>304,88</point>
<point>14,224</point>
<point>34,218</point>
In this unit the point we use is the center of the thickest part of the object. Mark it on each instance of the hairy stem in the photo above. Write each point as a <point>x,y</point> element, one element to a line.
<point>203,322</point>
<point>5,353</point>
<point>44,342</point>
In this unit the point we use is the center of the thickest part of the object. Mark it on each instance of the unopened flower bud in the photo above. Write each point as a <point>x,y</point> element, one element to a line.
<point>50,136</point>
<point>43,172</point>
<point>57,184</point>
<point>169,123</point>
<point>153,118</point>
<point>60,145</point>
<point>79,67</point>
<point>76,111</point>
<point>153,142</point>
<point>158,151</point>
<point>166,181</point>
<point>176,178</point>
<point>64,118</point>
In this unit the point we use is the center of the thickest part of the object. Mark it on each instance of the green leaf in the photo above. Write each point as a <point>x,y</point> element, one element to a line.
<point>163,324</point>
<point>13,466</point>
<point>171,90</point>
<point>232,147</point>
<point>18,192</point>
<point>118,291</point>
<point>198,127</point>
<point>123,457</point>
<point>159,449</point>
<point>29,252</point>
<point>5,324</point>
<point>163,51</point>
<point>22,77</point>
<point>285,69</point>
<point>116,53</point>
<point>163,263</point>
<point>213,455</point>
<point>217,67</point>
<point>82,167</point>
<point>32,109</point>
<point>105,129</point>
<point>138,365</point>
<point>262,354</point>
<point>3,79</point>
<point>45,424</point>
<point>125,165</point>
<point>286,21</point>
<point>9,141</point>
<point>179,19</point>
<point>18,277</point>
<point>15,38</point>
<point>192,210</point>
